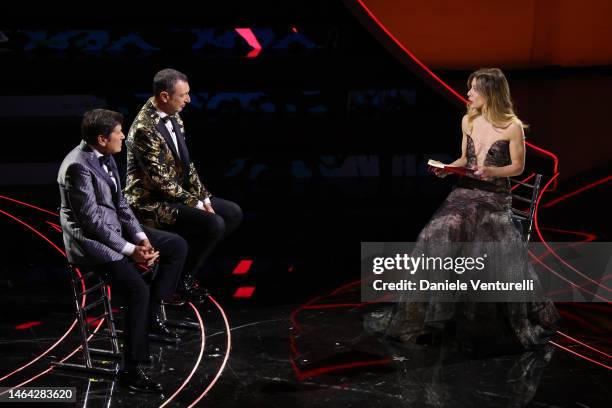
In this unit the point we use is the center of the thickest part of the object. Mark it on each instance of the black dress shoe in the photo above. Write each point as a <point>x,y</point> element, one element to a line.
<point>191,291</point>
<point>158,326</point>
<point>174,300</point>
<point>137,380</point>
<point>190,284</point>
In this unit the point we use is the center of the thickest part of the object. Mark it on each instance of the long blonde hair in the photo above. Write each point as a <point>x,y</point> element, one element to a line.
<point>498,110</point>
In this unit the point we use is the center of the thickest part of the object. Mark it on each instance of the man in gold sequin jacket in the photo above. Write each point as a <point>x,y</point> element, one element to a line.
<point>163,186</point>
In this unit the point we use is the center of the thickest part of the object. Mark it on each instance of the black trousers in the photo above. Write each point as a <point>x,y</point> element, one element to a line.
<point>143,300</point>
<point>204,230</point>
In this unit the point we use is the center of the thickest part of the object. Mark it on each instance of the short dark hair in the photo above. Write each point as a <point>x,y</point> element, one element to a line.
<point>99,122</point>
<point>165,79</point>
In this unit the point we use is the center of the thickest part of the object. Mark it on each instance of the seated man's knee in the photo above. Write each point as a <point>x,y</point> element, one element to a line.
<point>177,247</point>
<point>237,214</point>
<point>232,213</point>
<point>216,226</point>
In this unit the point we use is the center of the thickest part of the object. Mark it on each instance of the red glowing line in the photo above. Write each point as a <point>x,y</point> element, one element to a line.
<point>227,353</point>
<point>293,347</point>
<point>35,231</point>
<point>296,311</point>
<point>27,325</point>
<point>597,306</point>
<point>587,235</point>
<point>580,320</point>
<point>523,181</point>
<point>567,280</point>
<point>552,251</point>
<point>43,354</point>
<point>546,153</point>
<point>580,355</point>
<point>575,192</point>
<point>414,58</point>
<point>584,344</point>
<point>51,368</point>
<point>74,322</point>
<point>583,284</point>
<point>195,367</point>
<point>324,370</point>
<point>54,226</point>
<point>336,305</point>
<point>348,285</point>
<point>29,205</point>
<point>444,84</point>
<point>309,305</point>
<point>588,238</point>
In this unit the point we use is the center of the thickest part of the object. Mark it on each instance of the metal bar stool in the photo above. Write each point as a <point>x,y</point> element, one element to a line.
<point>79,287</point>
<point>523,218</point>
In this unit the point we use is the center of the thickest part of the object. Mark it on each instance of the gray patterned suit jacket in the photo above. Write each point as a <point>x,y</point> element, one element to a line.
<point>96,221</point>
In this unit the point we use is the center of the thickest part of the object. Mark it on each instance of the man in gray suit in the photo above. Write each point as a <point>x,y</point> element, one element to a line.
<point>101,232</point>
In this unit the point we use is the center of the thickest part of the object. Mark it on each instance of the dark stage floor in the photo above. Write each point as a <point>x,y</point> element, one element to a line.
<point>307,353</point>
<point>293,337</point>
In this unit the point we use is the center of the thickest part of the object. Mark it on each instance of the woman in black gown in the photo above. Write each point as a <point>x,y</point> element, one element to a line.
<point>478,211</point>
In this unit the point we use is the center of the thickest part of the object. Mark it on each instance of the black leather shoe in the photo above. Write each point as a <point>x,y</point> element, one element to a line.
<point>192,285</point>
<point>174,300</point>
<point>158,326</point>
<point>191,291</point>
<point>137,380</point>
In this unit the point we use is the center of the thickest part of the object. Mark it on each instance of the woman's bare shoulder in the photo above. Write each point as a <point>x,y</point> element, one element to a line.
<point>515,130</point>
<point>464,124</point>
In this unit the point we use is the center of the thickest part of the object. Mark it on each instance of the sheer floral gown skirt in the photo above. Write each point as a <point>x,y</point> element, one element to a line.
<point>475,212</point>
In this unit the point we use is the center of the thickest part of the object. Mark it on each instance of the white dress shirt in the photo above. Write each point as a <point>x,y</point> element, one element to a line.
<point>168,124</point>
<point>128,248</point>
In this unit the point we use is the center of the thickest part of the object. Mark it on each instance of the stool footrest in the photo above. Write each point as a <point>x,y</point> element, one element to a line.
<point>103,352</point>
<point>94,304</point>
<point>84,368</point>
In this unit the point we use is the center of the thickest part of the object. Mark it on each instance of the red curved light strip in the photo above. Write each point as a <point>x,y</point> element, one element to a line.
<point>565,314</point>
<point>301,375</point>
<point>444,84</point>
<point>567,280</point>
<point>584,344</point>
<point>599,307</point>
<point>335,305</point>
<point>580,355</point>
<point>588,237</point>
<point>61,251</point>
<point>552,251</point>
<point>51,368</point>
<point>54,226</point>
<point>348,285</point>
<point>522,181</point>
<point>296,311</point>
<point>58,341</point>
<point>575,192</point>
<point>324,370</point>
<point>227,353</point>
<point>546,153</point>
<point>582,285</point>
<point>414,58</point>
<point>195,366</point>
<point>28,205</point>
